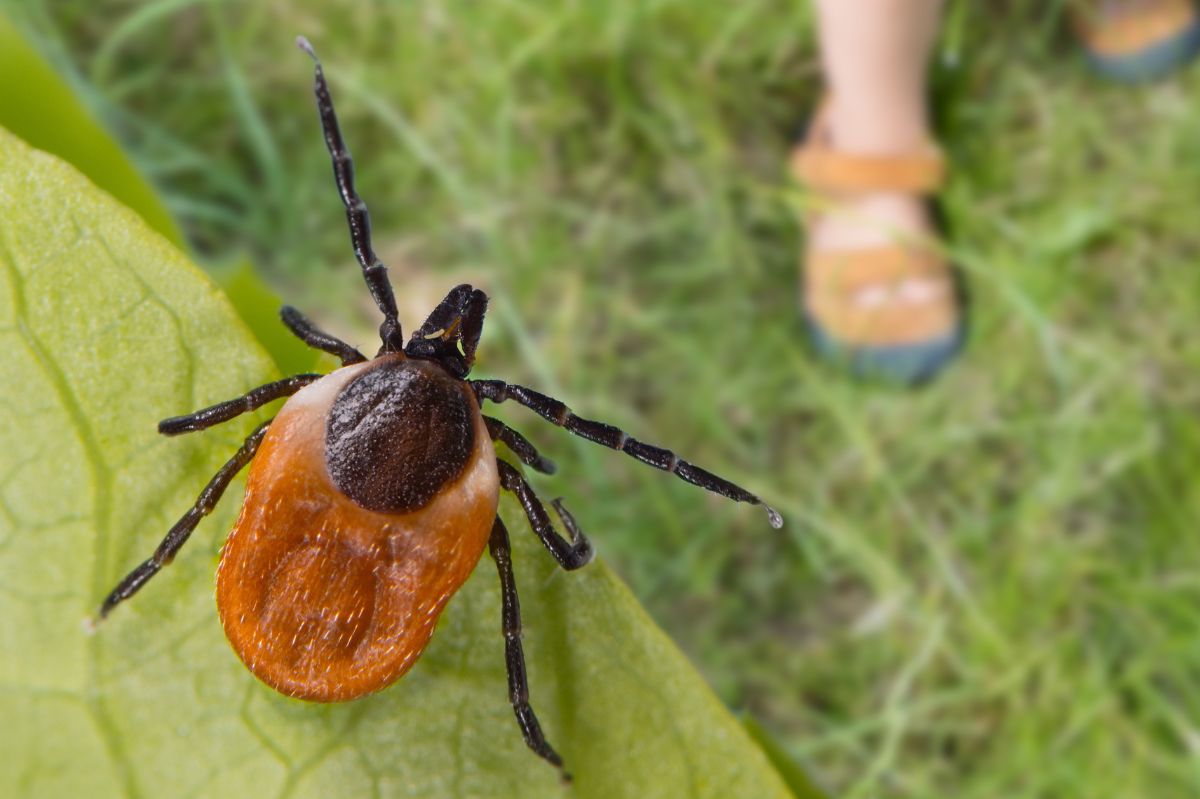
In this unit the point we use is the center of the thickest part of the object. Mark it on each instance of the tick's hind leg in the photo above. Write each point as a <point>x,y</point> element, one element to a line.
<point>179,533</point>
<point>613,437</point>
<point>224,411</point>
<point>519,445</point>
<point>571,554</point>
<point>303,329</point>
<point>514,655</point>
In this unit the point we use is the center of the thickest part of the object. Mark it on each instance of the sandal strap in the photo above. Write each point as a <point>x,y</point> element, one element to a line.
<point>843,272</point>
<point>834,278</point>
<point>831,171</point>
<point>816,164</point>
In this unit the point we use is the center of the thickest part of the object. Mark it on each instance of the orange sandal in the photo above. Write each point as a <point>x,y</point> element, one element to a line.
<point>892,311</point>
<point>1140,42</point>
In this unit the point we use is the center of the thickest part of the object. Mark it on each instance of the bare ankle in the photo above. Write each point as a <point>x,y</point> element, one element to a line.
<point>892,127</point>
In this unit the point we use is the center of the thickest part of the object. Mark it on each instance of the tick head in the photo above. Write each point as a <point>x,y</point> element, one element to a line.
<point>451,333</point>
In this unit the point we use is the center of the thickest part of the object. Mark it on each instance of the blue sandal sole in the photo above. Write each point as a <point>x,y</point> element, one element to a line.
<point>1155,61</point>
<point>906,364</point>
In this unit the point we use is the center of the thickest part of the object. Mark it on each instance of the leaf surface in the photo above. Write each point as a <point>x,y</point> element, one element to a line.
<point>41,108</point>
<point>106,329</point>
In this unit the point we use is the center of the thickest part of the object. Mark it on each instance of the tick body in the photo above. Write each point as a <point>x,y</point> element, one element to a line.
<point>328,594</point>
<point>372,495</point>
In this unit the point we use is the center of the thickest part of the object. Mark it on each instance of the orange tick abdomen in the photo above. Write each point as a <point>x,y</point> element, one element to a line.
<point>322,598</point>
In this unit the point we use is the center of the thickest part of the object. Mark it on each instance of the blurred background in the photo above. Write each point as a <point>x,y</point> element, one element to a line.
<point>988,586</point>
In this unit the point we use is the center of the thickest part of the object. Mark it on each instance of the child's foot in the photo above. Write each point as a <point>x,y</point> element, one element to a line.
<point>1138,40</point>
<point>878,296</point>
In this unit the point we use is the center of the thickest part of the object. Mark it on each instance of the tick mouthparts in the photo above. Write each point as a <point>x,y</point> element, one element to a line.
<point>773,516</point>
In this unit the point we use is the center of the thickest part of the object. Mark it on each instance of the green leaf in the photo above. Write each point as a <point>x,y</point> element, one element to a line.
<point>107,328</point>
<point>258,305</point>
<point>43,110</point>
<point>802,785</point>
<point>37,105</point>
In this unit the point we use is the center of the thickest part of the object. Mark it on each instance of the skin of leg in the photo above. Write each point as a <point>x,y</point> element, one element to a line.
<point>875,54</point>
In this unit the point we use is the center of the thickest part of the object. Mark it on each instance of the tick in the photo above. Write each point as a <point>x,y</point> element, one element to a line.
<point>372,494</point>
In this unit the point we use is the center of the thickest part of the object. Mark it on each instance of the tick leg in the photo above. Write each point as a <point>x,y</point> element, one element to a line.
<point>571,554</point>
<point>224,411</point>
<point>179,533</point>
<point>514,655</point>
<point>519,445</point>
<point>615,438</point>
<point>303,329</point>
<point>374,272</point>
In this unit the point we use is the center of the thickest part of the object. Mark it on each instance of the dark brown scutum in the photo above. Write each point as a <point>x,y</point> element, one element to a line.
<point>397,434</point>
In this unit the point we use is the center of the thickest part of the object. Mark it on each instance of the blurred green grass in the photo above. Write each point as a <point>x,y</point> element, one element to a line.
<point>987,587</point>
